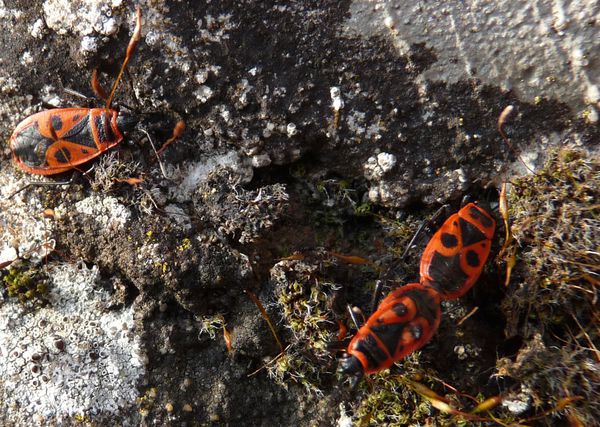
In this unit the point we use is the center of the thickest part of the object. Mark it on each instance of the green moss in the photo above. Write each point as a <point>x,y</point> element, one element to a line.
<point>304,302</point>
<point>364,209</point>
<point>388,400</point>
<point>28,286</point>
<point>551,301</point>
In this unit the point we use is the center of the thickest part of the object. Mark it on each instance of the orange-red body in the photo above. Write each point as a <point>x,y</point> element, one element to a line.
<point>456,254</point>
<point>54,141</point>
<point>407,317</point>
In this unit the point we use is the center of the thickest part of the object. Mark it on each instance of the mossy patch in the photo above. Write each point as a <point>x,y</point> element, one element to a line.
<point>552,300</point>
<point>28,286</point>
<point>304,302</point>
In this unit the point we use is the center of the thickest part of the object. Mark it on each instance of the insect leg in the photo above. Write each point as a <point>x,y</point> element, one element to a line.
<point>40,184</point>
<point>354,311</point>
<point>97,87</point>
<point>424,224</point>
<point>376,295</point>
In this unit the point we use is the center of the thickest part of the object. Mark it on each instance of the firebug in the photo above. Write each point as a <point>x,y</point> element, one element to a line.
<point>456,254</point>
<point>405,320</point>
<point>57,140</point>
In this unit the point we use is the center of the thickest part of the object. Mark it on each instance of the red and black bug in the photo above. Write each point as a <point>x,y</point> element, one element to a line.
<point>54,141</point>
<point>407,317</point>
<point>405,320</point>
<point>456,254</point>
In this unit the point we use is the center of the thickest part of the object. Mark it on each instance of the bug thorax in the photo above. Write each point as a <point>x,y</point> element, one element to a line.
<point>126,121</point>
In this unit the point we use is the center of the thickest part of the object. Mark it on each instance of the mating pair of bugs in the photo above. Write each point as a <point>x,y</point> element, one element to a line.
<point>407,317</point>
<point>54,141</point>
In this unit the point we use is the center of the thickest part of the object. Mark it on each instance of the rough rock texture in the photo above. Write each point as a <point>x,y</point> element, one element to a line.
<point>314,131</point>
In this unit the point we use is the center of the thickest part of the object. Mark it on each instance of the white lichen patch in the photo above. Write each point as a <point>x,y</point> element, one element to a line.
<point>70,357</point>
<point>24,231</point>
<point>203,93</point>
<point>215,28</point>
<point>82,17</point>
<point>106,210</point>
<point>379,165</point>
<point>385,192</point>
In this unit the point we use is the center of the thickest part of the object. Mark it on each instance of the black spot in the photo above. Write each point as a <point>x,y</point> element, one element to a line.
<point>375,355</point>
<point>59,344</point>
<point>470,234</point>
<point>63,156</point>
<point>84,151</point>
<point>445,272</point>
<point>389,335</point>
<point>479,216</point>
<point>76,117</point>
<point>449,240</point>
<point>473,259</point>
<point>400,309</point>
<point>56,122</point>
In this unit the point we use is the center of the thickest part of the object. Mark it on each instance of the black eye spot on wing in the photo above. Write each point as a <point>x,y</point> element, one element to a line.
<point>57,123</point>
<point>400,309</point>
<point>473,259</point>
<point>449,240</point>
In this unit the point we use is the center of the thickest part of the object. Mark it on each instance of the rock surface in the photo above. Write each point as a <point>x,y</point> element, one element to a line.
<point>313,130</point>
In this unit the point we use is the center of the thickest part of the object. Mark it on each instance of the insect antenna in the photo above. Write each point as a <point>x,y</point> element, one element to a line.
<point>135,38</point>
